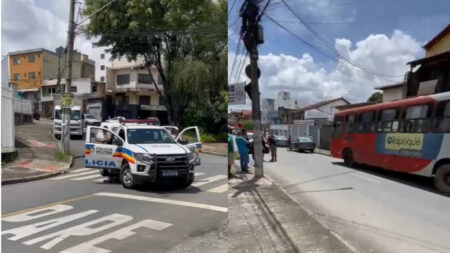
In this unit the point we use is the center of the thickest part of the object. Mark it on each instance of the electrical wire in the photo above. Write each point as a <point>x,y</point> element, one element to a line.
<point>328,45</point>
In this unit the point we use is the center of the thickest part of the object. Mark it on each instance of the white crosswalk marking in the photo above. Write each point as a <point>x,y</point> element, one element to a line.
<point>87,177</point>
<point>75,175</point>
<point>219,189</point>
<point>80,170</point>
<point>199,174</point>
<point>100,180</point>
<point>209,180</point>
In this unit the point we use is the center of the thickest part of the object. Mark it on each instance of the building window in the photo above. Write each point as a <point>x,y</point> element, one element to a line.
<point>16,77</point>
<point>102,79</point>
<point>102,67</point>
<point>31,75</point>
<point>144,78</point>
<point>73,89</point>
<point>16,60</point>
<point>144,100</point>
<point>94,88</point>
<point>102,56</point>
<point>31,58</point>
<point>161,100</point>
<point>123,79</point>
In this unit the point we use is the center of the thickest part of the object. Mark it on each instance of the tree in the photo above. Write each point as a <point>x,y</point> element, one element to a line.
<point>376,97</point>
<point>179,38</point>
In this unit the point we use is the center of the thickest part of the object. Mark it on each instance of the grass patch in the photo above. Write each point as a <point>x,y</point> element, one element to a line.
<point>222,137</point>
<point>61,157</point>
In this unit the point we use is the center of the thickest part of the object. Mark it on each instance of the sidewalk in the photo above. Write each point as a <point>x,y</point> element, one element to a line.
<point>36,150</point>
<point>262,218</point>
<point>214,148</point>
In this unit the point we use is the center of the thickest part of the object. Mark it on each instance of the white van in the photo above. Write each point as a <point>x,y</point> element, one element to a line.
<point>76,122</point>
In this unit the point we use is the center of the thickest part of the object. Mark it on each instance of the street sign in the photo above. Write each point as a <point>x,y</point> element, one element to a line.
<point>236,94</point>
<point>67,100</point>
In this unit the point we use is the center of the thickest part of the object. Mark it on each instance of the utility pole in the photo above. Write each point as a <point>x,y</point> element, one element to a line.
<point>67,97</point>
<point>251,33</point>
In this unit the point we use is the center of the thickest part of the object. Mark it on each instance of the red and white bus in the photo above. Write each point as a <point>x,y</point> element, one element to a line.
<point>410,135</point>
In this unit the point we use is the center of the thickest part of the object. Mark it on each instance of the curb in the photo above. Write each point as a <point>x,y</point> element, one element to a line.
<point>38,177</point>
<point>212,153</point>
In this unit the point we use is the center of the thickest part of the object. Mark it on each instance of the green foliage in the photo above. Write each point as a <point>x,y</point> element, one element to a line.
<point>185,40</point>
<point>221,137</point>
<point>376,97</point>
<point>61,157</point>
<point>247,125</point>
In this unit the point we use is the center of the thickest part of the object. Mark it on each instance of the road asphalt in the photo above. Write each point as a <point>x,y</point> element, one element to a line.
<point>370,209</point>
<point>77,212</point>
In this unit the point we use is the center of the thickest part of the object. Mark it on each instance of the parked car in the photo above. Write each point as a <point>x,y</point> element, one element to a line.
<point>90,120</point>
<point>303,144</point>
<point>281,141</point>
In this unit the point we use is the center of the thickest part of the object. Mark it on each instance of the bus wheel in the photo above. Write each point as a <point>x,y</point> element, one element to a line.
<point>442,178</point>
<point>348,157</point>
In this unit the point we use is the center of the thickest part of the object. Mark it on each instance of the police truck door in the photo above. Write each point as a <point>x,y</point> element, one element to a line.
<point>101,149</point>
<point>190,137</point>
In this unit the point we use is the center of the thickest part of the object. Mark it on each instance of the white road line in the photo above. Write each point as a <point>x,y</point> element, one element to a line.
<point>209,180</point>
<point>76,175</point>
<point>100,180</point>
<point>367,178</point>
<point>87,177</point>
<point>199,174</point>
<point>164,201</point>
<point>80,170</point>
<point>219,189</point>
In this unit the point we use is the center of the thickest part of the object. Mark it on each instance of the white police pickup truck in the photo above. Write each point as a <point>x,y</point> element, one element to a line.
<point>138,153</point>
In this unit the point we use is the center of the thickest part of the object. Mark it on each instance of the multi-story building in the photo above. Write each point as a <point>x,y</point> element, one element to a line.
<point>132,92</point>
<point>431,74</point>
<point>283,99</point>
<point>29,68</point>
<point>103,61</point>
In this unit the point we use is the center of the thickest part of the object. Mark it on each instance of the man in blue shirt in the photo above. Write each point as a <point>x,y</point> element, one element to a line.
<point>242,144</point>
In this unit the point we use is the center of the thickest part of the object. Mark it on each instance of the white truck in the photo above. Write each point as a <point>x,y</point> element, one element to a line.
<point>76,122</point>
<point>139,153</point>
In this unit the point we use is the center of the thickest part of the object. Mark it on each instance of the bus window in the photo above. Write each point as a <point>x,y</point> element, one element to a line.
<point>366,122</point>
<point>350,124</point>
<point>337,126</point>
<point>417,119</point>
<point>442,117</point>
<point>388,121</point>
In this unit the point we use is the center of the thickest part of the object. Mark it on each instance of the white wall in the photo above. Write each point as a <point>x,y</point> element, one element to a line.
<point>96,56</point>
<point>83,85</point>
<point>8,127</point>
<point>392,94</point>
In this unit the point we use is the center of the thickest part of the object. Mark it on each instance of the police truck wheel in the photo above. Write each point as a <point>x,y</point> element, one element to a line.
<point>187,182</point>
<point>442,178</point>
<point>348,157</point>
<point>126,178</point>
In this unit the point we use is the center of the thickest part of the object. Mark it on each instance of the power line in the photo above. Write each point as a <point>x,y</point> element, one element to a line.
<point>327,44</point>
<point>234,2</point>
<point>334,58</point>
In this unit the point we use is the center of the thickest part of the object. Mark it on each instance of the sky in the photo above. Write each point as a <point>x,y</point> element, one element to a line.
<point>28,24</point>
<point>379,37</point>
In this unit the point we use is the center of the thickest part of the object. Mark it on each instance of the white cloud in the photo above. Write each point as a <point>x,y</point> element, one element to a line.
<point>27,24</point>
<point>309,83</point>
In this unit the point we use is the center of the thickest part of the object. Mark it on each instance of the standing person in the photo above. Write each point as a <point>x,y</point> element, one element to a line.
<point>241,144</point>
<point>230,153</point>
<point>289,143</point>
<point>273,148</point>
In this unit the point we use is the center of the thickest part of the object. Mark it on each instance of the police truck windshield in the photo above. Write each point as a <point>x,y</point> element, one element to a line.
<point>149,136</point>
